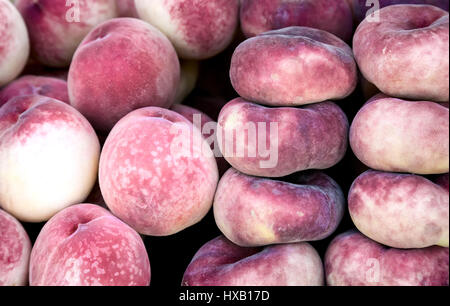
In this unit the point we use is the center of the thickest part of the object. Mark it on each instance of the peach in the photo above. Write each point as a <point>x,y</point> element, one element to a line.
<point>14,43</point>
<point>56,27</point>
<point>222,263</point>
<point>188,79</point>
<point>253,211</point>
<point>122,65</point>
<point>198,29</point>
<point>258,16</point>
<point>396,135</point>
<point>35,85</point>
<point>85,245</point>
<point>157,172</point>
<point>361,8</point>
<point>354,260</point>
<point>406,52</point>
<point>15,248</point>
<point>48,157</point>
<point>293,66</point>
<point>126,8</point>
<point>275,142</point>
<point>400,210</point>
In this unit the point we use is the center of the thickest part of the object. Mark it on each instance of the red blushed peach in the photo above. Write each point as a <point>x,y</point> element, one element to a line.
<point>85,245</point>
<point>35,85</point>
<point>48,157</point>
<point>198,29</point>
<point>293,66</point>
<point>253,211</point>
<point>361,8</point>
<point>258,16</point>
<point>56,27</point>
<point>406,52</point>
<point>122,65</point>
<point>275,142</point>
<point>188,79</point>
<point>400,210</point>
<point>222,263</point>
<point>157,172</point>
<point>14,43</point>
<point>15,247</point>
<point>396,135</point>
<point>126,8</point>
<point>354,260</point>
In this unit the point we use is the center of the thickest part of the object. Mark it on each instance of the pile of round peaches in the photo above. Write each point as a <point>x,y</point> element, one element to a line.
<point>315,135</point>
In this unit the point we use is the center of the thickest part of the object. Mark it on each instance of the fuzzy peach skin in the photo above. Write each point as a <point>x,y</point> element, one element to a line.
<point>354,260</point>
<point>189,71</point>
<point>35,85</point>
<point>396,135</point>
<point>222,263</point>
<point>57,27</point>
<point>275,142</point>
<point>198,29</point>
<point>258,16</point>
<point>406,53</point>
<point>121,65</point>
<point>14,43</point>
<point>48,157</point>
<point>252,211</point>
<point>293,66</point>
<point>15,248</point>
<point>361,9</point>
<point>85,245</point>
<point>157,172</point>
<point>400,210</point>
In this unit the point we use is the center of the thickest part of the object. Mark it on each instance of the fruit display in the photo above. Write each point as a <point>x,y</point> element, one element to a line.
<point>224,143</point>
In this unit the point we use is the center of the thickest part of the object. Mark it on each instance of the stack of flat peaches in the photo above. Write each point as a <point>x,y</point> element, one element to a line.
<point>314,134</point>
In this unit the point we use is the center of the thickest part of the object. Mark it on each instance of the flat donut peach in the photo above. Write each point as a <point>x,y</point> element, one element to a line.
<point>222,263</point>
<point>395,135</point>
<point>352,259</point>
<point>293,66</point>
<point>253,211</point>
<point>406,53</point>
<point>275,142</point>
<point>400,210</point>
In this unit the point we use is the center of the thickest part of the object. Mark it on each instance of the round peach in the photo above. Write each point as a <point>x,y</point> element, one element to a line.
<point>354,260</point>
<point>198,29</point>
<point>188,79</point>
<point>405,53</point>
<point>121,65</point>
<point>293,66</point>
<point>400,210</point>
<point>253,211</point>
<point>48,157</point>
<point>35,85</point>
<point>14,43</point>
<point>15,248</point>
<point>85,245</point>
<point>395,135</point>
<point>56,27</point>
<point>222,263</point>
<point>258,16</point>
<point>275,142</point>
<point>157,172</point>
<point>126,8</point>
